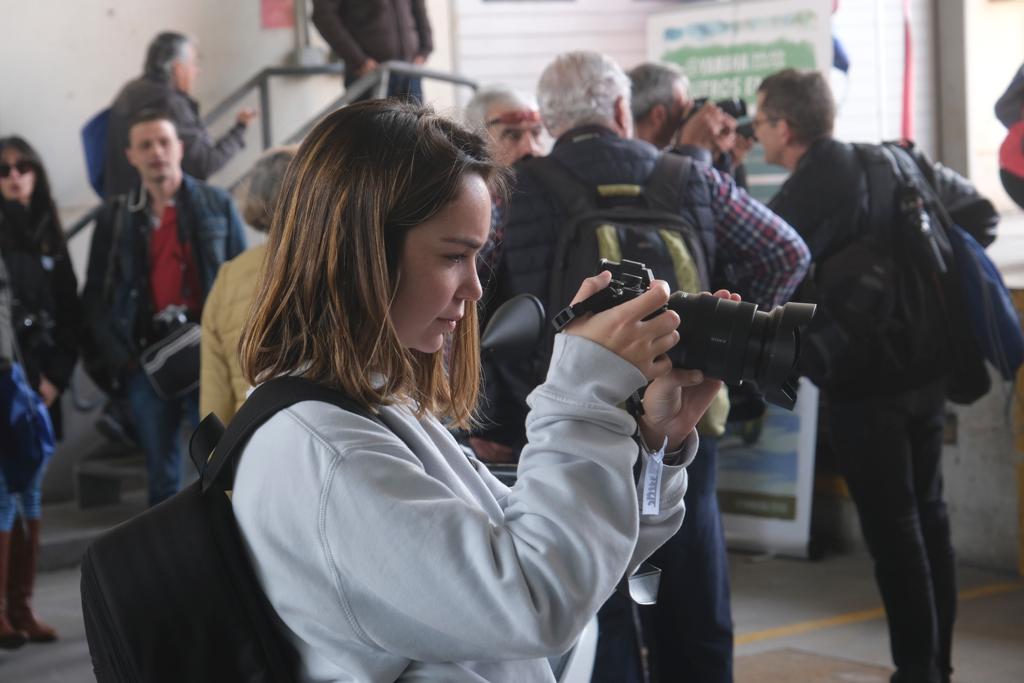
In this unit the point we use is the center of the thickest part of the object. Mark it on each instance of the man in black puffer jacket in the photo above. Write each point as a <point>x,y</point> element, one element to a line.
<point>584,100</point>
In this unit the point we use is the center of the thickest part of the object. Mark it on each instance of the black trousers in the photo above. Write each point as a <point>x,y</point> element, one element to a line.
<point>688,633</point>
<point>890,451</point>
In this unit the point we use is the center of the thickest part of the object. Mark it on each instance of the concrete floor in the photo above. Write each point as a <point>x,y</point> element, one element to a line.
<point>831,607</point>
<point>827,608</point>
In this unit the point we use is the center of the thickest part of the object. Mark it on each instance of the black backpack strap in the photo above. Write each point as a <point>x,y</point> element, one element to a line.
<point>268,399</point>
<point>204,440</point>
<point>666,186</point>
<point>882,178</point>
<point>570,193</point>
<point>666,190</point>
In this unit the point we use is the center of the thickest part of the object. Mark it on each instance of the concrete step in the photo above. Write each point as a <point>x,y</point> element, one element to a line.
<point>99,479</point>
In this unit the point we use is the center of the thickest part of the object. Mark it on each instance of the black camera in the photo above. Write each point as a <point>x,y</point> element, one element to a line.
<point>728,340</point>
<point>169,320</point>
<point>733,106</point>
<point>35,330</point>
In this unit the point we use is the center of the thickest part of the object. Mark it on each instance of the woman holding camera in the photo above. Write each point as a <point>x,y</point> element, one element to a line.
<point>46,319</point>
<point>385,551</point>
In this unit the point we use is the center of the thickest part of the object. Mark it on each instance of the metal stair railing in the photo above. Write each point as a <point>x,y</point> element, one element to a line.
<point>374,84</point>
<point>261,82</point>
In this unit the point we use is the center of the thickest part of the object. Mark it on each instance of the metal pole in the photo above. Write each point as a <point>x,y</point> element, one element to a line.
<point>301,25</point>
<point>385,78</point>
<point>265,111</point>
<point>304,54</point>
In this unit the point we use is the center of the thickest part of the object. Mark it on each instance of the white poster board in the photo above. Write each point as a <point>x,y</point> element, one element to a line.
<point>765,488</point>
<point>765,485</point>
<point>727,48</point>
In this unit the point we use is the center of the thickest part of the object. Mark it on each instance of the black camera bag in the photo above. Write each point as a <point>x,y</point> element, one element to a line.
<point>171,595</point>
<point>172,364</point>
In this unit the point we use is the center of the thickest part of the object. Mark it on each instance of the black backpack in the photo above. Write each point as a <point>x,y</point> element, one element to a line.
<point>171,595</point>
<point>893,293</point>
<point>636,222</point>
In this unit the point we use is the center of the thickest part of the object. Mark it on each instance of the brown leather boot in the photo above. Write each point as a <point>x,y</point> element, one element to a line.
<point>24,551</point>
<point>10,637</point>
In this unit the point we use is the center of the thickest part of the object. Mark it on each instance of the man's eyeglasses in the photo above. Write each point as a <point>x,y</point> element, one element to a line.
<point>756,123</point>
<point>23,165</point>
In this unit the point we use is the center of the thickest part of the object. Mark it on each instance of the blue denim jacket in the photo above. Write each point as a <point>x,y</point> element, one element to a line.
<point>116,294</point>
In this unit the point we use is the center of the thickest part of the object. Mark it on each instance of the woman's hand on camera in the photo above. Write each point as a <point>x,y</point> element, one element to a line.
<point>675,402</point>
<point>623,330</point>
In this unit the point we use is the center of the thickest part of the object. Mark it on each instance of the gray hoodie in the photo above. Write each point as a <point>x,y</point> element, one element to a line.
<point>387,563</point>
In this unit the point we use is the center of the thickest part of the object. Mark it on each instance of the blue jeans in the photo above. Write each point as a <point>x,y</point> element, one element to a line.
<point>157,422</point>
<point>30,499</point>
<point>689,631</point>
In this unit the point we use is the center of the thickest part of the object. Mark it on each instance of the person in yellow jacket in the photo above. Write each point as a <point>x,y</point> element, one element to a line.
<point>222,388</point>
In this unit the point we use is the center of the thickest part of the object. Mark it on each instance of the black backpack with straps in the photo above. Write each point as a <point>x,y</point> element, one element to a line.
<point>893,315</point>
<point>171,594</point>
<point>630,221</point>
<point>616,221</point>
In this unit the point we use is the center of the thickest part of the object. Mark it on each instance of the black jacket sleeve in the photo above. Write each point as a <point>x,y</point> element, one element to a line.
<point>327,19</point>
<point>419,12</point>
<point>203,157</point>
<point>1010,105</point>
<point>104,354</point>
<point>60,361</point>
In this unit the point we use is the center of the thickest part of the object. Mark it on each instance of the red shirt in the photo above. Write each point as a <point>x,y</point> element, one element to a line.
<point>173,275</point>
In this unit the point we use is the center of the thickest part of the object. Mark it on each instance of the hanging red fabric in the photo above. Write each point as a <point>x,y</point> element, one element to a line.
<point>907,122</point>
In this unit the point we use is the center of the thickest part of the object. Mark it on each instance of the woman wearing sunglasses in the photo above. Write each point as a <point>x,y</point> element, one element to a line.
<point>44,295</point>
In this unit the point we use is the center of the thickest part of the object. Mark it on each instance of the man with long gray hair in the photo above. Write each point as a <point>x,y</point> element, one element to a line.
<point>167,84</point>
<point>584,100</point>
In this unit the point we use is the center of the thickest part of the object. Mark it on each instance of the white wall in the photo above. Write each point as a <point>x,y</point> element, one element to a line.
<point>512,42</point>
<point>73,57</point>
<point>995,50</point>
<point>870,106</point>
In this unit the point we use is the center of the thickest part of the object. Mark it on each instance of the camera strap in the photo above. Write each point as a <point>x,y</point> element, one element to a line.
<point>596,303</point>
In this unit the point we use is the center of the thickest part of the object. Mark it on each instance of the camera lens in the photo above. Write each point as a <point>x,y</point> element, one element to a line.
<point>733,341</point>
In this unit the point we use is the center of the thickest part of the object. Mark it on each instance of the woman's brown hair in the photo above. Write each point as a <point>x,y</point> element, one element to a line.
<point>363,177</point>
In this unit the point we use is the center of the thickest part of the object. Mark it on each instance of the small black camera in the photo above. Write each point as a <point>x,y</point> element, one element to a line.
<point>725,339</point>
<point>168,320</point>
<point>733,106</point>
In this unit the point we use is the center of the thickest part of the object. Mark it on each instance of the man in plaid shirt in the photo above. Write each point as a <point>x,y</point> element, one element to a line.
<point>689,630</point>
<point>584,100</point>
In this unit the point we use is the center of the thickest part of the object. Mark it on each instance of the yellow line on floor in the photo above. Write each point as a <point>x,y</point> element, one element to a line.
<point>864,615</point>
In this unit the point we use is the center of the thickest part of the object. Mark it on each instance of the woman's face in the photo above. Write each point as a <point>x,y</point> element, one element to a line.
<point>437,269</point>
<point>17,177</point>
